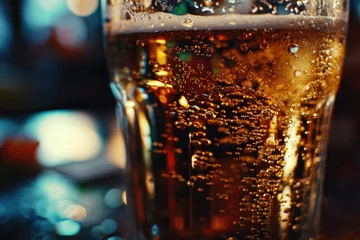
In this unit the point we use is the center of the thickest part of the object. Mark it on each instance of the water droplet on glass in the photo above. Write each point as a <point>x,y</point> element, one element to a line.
<point>291,22</point>
<point>188,22</point>
<point>301,23</point>
<point>293,48</point>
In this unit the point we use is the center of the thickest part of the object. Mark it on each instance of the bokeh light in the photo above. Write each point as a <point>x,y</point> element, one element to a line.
<point>40,13</point>
<point>61,205</point>
<point>64,136</point>
<point>55,187</point>
<point>71,31</point>
<point>67,228</point>
<point>113,198</point>
<point>155,230</point>
<point>108,226</point>
<point>96,232</point>
<point>75,212</point>
<point>82,7</point>
<point>39,16</point>
<point>42,208</point>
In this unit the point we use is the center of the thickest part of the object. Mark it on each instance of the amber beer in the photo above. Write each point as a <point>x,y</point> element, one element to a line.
<point>227,124</point>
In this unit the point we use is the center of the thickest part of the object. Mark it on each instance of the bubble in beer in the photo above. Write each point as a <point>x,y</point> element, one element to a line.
<point>296,227</point>
<point>264,45</point>
<point>244,47</point>
<point>293,48</point>
<point>297,73</point>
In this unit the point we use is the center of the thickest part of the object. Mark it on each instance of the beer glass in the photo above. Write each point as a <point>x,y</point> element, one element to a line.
<point>225,107</point>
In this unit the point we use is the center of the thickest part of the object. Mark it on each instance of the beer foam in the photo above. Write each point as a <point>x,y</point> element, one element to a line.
<point>160,22</point>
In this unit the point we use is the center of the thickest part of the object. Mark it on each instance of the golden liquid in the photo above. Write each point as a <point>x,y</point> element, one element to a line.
<point>232,127</point>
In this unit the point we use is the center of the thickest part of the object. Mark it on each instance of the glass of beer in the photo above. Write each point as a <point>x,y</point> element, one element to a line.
<point>225,107</point>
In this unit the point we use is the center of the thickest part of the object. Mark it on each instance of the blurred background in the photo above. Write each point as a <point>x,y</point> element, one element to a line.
<point>61,157</point>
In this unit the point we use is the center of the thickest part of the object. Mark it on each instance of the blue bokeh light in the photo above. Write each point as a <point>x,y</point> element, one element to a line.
<point>55,187</point>
<point>108,226</point>
<point>68,228</point>
<point>40,15</point>
<point>113,198</point>
<point>155,230</point>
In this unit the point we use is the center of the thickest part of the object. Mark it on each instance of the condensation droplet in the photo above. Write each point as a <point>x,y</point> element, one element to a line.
<point>301,23</point>
<point>188,22</point>
<point>291,22</point>
<point>293,48</point>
